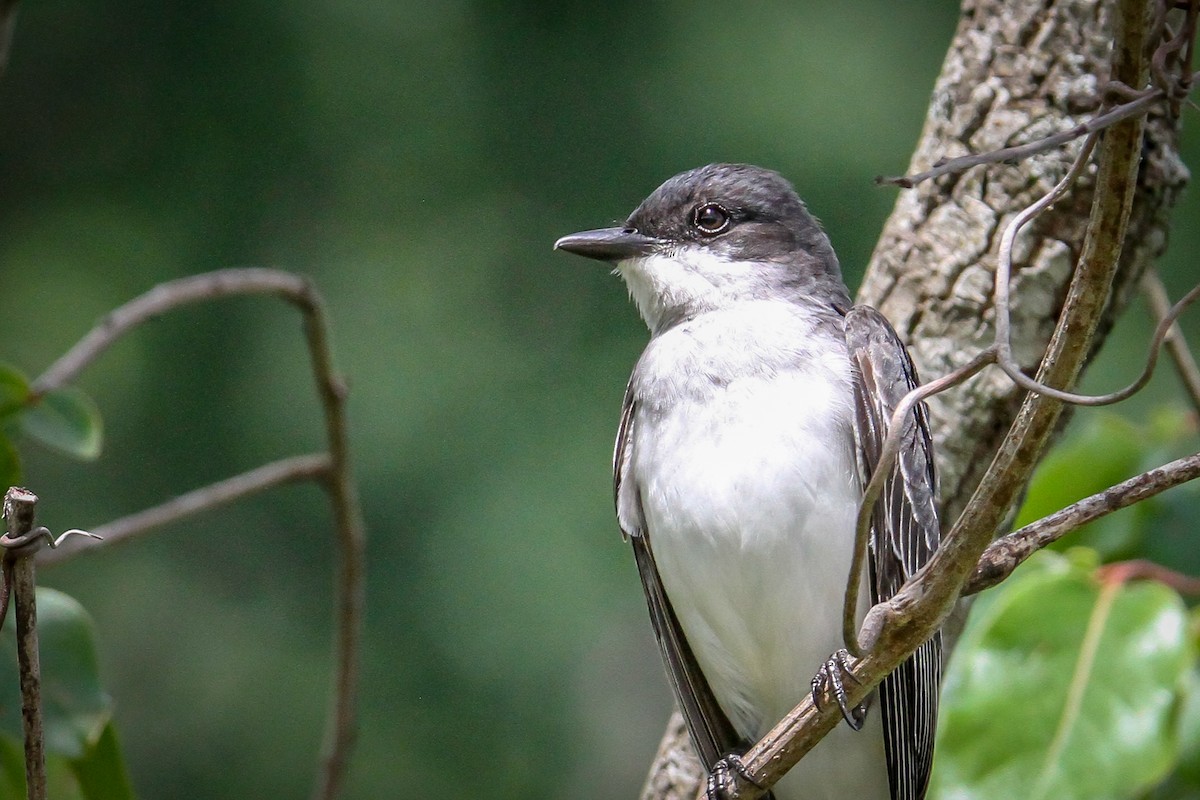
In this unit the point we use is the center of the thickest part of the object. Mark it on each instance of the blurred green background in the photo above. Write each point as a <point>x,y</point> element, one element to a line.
<point>418,161</point>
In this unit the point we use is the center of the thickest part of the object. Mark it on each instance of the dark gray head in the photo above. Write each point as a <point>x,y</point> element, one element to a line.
<point>714,236</point>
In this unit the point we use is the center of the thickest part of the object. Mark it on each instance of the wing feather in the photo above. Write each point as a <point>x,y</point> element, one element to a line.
<point>904,534</point>
<point>712,734</point>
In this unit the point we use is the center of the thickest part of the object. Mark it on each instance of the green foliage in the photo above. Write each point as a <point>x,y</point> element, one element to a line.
<point>1064,686</point>
<point>83,755</point>
<point>100,771</point>
<point>65,420</point>
<point>14,394</point>
<point>14,390</point>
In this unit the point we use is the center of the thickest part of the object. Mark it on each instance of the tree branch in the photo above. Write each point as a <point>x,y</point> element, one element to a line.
<point>1007,553</point>
<point>287,470</point>
<point>1072,339</point>
<point>20,543</point>
<point>894,629</point>
<point>1009,155</point>
<point>338,481</point>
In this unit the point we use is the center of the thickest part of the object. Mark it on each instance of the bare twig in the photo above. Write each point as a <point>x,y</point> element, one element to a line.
<point>1023,151</point>
<point>163,298</point>
<point>1007,553</point>
<point>999,353</point>
<point>1003,344</point>
<point>268,476</point>
<point>349,586</point>
<point>351,538</point>
<point>1000,347</point>
<point>887,457</point>
<point>961,548</point>
<point>1129,110</point>
<point>1177,346</point>
<point>1161,333</point>
<point>1003,339</point>
<point>21,541</point>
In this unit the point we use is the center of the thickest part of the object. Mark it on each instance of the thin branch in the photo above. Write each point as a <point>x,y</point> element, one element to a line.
<point>883,467</point>
<point>1008,552</point>
<point>1177,346</point>
<point>20,571</point>
<point>349,586</point>
<point>1003,344</point>
<point>999,353</point>
<point>351,537</point>
<point>1029,435</point>
<point>1095,125</point>
<point>1001,299</point>
<point>268,476</point>
<point>167,297</point>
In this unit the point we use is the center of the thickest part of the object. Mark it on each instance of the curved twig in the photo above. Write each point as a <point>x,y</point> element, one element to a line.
<point>351,538</point>
<point>871,492</point>
<point>1177,346</point>
<point>1003,341</point>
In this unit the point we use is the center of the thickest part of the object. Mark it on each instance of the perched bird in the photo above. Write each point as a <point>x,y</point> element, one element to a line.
<point>750,425</point>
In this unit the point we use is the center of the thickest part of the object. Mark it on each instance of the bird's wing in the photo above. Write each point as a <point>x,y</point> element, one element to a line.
<point>904,534</point>
<point>712,734</point>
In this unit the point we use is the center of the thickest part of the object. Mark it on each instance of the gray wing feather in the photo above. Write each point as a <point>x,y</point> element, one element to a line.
<point>712,734</point>
<point>904,534</point>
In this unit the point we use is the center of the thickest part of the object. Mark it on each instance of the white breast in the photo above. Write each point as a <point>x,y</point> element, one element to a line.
<point>743,454</point>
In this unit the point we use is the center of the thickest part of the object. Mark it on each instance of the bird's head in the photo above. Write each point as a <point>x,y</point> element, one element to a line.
<point>711,237</point>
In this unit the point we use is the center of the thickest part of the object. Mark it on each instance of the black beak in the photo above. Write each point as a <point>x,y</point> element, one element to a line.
<point>608,244</point>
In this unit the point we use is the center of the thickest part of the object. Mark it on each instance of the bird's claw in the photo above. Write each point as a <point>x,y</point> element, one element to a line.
<point>728,779</point>
<point>829,677</point>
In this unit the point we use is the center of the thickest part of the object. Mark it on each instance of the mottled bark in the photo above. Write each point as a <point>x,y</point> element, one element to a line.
<point>1015,72</point>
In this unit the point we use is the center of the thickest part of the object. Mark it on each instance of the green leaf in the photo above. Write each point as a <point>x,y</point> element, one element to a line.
<point>101,773</point>
<point>75,710</point>
<point>14,390</point>
<point>1187,774</point>
<point>1063,687</point>
<point>66,420</point>
<point>12,769</point>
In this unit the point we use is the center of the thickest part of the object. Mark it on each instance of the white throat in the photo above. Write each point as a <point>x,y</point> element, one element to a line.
<point>688,278</point>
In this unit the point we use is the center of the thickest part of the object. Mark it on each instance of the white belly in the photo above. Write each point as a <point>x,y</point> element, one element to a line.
<point>750,492</point>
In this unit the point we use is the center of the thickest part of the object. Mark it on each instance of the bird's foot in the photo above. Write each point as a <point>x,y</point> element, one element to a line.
<point>728,779</point>
<point>830,677</point>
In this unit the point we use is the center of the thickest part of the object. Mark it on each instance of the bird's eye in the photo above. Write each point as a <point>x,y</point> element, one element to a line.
<point>710,219</point>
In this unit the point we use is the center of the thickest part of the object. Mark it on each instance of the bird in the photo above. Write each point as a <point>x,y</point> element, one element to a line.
<point>750,424</point>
